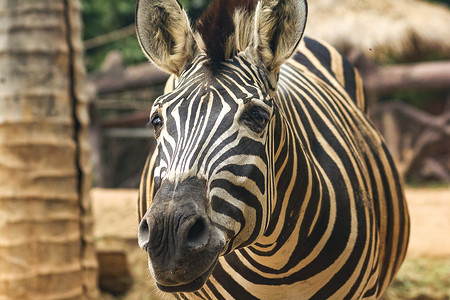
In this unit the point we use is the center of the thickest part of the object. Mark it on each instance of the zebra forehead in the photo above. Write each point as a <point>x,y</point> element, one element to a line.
<point>237,81</point>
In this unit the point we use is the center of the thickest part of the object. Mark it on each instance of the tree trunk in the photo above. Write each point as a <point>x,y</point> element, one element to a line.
<point>46,244</point>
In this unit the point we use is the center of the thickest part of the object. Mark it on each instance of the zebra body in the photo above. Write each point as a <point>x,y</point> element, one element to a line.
<point>274,183</point>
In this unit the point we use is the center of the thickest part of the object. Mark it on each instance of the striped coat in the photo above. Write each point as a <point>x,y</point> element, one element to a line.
<point>302,199</point>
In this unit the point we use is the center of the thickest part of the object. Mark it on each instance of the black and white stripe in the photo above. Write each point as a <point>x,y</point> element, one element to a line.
<point>300,198</point>
<point>319,213</point>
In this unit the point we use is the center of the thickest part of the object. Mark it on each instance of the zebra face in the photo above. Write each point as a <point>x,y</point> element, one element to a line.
<point>210,172</point>
<point>212,169</point>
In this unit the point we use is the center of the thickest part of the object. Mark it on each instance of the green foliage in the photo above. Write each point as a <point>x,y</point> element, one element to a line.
<point>103,16</point>
<point>194,7</point>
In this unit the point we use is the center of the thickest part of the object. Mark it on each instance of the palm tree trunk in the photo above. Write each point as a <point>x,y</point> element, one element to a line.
<point>46,243</point>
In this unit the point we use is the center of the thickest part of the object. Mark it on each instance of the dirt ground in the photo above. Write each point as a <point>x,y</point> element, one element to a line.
<point>116,223</point>
<point>430,222</point>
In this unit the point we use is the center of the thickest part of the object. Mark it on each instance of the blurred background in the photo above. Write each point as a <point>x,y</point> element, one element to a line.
<point>401,48</point>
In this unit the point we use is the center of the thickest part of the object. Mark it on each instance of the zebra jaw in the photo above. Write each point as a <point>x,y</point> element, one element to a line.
<point>193,286</point>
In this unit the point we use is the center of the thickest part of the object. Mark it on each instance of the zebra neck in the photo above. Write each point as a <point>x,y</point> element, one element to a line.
<point>299,202</point>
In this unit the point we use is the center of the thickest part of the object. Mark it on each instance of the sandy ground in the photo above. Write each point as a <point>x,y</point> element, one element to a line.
<point>116,223</point>
<point>430,222</point>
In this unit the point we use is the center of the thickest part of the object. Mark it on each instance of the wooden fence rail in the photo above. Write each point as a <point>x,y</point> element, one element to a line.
<point>378,80</point>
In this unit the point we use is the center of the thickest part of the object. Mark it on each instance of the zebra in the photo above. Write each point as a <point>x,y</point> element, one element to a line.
<point>268,181</point>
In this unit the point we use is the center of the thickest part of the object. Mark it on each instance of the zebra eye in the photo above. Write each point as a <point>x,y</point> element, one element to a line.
<point>156,122</point>
<point>258,118</point>
<point>255,118</point>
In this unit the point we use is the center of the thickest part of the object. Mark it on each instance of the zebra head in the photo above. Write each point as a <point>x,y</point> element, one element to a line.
<point>212,171</point>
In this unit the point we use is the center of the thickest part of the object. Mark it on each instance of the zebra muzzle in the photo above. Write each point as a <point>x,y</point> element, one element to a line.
<point>176,232</point>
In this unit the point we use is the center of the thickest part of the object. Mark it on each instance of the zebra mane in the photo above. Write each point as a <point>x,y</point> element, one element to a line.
<point>226,28</point>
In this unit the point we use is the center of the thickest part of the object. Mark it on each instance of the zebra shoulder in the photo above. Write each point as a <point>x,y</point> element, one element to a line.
<point>330,65</point>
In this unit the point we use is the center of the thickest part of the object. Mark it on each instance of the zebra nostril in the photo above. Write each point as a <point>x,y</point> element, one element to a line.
<point>143,234</point>
<point>198,234</point>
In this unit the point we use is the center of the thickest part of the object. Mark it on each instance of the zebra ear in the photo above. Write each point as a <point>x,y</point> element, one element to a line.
<point>279,26</point>
<point>165,34</point>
